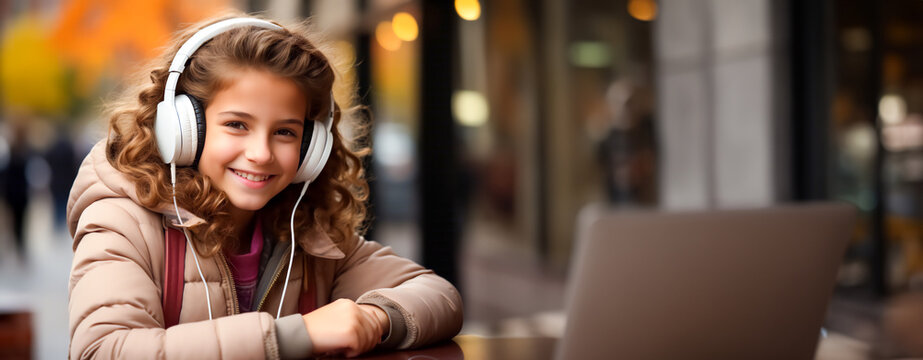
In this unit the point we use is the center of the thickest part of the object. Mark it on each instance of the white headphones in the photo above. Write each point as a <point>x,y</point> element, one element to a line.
<point>180,124</point>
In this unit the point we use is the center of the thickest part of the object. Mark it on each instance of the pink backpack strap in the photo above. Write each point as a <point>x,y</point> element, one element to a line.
<point>174,267</point>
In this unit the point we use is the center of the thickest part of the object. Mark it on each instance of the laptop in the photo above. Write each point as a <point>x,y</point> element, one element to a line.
<point>727,284</point>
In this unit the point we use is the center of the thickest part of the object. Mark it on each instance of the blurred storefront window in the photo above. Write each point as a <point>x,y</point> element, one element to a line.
<point>394,60</point>
<point>899,108</point>
<point>876,158</point>
<point>853,134</point>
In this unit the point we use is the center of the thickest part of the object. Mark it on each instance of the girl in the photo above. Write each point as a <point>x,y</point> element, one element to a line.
<point>256,254</point>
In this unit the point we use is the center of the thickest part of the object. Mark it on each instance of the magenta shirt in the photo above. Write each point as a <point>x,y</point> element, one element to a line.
<point>245,268</point>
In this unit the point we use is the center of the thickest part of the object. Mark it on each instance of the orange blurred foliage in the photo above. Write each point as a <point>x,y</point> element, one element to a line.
<point>103,37</point>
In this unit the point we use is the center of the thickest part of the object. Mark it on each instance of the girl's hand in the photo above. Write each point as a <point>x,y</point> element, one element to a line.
<point>344,327</point>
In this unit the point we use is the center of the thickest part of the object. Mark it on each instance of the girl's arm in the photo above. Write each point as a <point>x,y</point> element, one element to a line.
<point>115,306</point>
<point>423,307</point>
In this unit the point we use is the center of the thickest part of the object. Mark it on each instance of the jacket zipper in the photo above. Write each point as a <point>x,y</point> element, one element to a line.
<point>224,262</point>
<point>282,266</point>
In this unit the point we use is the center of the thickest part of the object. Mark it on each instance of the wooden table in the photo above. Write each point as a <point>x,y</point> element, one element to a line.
<point>477,348</point>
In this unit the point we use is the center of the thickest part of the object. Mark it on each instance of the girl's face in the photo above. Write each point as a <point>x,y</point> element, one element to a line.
<point>253,137</point>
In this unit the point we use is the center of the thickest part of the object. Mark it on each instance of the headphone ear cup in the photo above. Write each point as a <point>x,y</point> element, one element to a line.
<point>328,147</point>
<point>309,141</point>
<point>320,151</point>
<point>199,114</point>
<point>166,132</point>
<point>306,142</point>
<point>192,129</point>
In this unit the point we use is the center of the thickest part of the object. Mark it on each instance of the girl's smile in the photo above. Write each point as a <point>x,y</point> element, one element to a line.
<point>253,180</point>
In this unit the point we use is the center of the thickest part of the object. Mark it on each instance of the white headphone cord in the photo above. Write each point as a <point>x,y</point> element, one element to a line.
<point>292,256</point>
<point>208,299</point>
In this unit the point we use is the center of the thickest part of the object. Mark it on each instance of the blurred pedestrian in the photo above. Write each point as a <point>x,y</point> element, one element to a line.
<point>63,163</point>
<point>628,152</point>
<point>16,186</point>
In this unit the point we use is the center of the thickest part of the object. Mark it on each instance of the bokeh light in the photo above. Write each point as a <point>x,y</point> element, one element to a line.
<point>591,54</point>
<point>644,10</point>
<point>405,26</point>
<point>470,107</point>
<point>892,109</point>
<point>384,33</point>
<point>468,9</point>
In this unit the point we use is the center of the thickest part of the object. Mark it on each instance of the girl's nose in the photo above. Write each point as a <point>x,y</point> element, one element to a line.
<point>258,151</point>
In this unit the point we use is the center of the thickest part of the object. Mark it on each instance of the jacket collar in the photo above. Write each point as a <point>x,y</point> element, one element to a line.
<point>169,216</point>
<point>317,243</point>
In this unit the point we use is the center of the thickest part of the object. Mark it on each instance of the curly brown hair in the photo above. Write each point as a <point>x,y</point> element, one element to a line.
<point>335,201</point>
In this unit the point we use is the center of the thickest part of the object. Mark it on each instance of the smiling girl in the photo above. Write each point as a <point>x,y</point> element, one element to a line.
<point>265,275</point>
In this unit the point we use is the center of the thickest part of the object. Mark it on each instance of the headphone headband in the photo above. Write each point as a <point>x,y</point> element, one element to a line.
<point>195,42</point>
<point>209,32</point>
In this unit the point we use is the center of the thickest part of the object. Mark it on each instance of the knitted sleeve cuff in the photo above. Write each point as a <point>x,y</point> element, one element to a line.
<point>398,329</point>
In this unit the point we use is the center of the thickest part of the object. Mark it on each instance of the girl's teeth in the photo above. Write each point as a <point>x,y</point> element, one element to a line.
<point>251,177</point>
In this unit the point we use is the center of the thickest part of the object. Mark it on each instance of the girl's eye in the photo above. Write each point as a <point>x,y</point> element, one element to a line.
<point>235,125</point>
<point>286,132</point>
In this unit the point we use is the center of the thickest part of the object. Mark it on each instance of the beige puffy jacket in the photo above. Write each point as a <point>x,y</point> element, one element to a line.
<point>118,271</point>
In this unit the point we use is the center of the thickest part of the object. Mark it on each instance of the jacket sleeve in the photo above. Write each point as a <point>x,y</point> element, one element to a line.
<point>430,307</point>
<point>115,307</point>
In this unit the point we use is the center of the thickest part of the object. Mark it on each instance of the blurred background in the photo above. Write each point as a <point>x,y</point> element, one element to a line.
<point>497,121</point>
